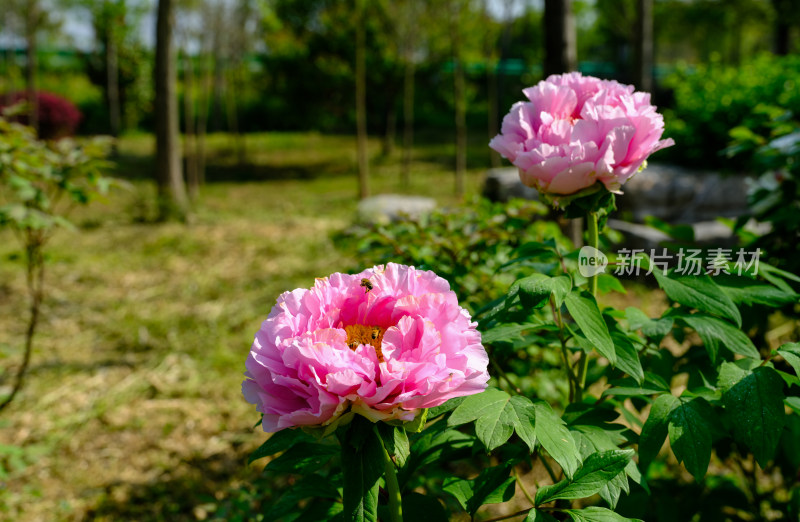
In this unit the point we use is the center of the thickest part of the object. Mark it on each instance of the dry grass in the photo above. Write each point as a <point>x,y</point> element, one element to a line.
<point>132,407</point>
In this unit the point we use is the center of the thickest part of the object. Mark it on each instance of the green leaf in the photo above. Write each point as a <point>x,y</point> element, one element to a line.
<point>699,292</point>
<point>743,290</point>
<point>535,515</point>
<point>597,514</point>
<point>277,442</point>
<point>791,352</point>
<point>655,328</point>
<point>793,403</point>
<point>794,503</point>
<point>627,357</point>
<point>362,467</point>
<point>310,486</point>
<point>654,431</point>
<point>607,283</point>
<point>492,427</point>
<point>712,331</point>
<point>583,308</point>
<point>506,332</point>
<point>302,457</point>
<point>444,408</point>
<point>690,437</point>
<point>395,440</point>
<point>497,415</point>
<point>597,471</point>
<point>553,435</point>
<point>753,400</point>
<point>492,486</point>
<point>534,291</point>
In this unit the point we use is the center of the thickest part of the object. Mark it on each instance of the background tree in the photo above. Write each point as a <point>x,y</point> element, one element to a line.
<point>560,46</point>
<point>172,199</point>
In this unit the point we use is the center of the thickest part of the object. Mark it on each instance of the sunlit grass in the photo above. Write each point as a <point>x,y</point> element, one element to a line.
<point>134,387</point>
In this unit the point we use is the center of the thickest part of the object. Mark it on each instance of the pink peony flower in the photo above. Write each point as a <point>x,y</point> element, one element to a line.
<point>383,343</point>
<point>577,130</point>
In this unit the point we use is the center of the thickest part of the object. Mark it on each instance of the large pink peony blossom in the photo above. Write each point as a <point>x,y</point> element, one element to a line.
<point>383,343</point>
<point>577,130</point>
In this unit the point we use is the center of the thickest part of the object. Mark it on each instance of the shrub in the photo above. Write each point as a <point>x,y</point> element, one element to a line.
<point>711,99</point>
<point>57,118</point>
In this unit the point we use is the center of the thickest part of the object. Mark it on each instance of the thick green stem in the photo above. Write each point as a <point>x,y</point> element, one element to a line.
<point>392,486</point>
<point>583,362</point>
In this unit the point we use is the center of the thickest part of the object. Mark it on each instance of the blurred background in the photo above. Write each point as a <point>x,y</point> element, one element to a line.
<point>287,113</point>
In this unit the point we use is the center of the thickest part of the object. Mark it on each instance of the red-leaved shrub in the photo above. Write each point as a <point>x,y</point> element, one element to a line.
<point>57,116</point>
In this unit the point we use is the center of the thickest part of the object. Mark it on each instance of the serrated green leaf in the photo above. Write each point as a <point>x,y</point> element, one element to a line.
<point>712,331</point>
<point>654,431</point>
<point>690,437</point>
<point>555,438</point>
<point>597,471</point>
<point>753,400</point>
<point>791,352</point>
<point>583,309</point>
<point>597,514</point>
<point>701,293</point>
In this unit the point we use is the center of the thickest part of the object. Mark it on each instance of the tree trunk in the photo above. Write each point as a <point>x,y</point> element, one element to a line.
<point>643,75</point>
<point>786,14</point>
<point>204,96</point>
<point>169,178</point>
<point>408,119</point>
<point>361,105</point>
<point>391,127</point>
<point>560,53</point>
<point>31,66</point>
<point>189,141</point>
<point>459,92</point>
<point>112,86</point>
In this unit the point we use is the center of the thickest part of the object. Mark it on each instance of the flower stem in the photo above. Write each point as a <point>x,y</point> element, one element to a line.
<point>392,486</point>
<point>583,362</point>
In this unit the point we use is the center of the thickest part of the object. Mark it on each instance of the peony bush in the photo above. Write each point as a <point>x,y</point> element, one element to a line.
<point>375,384</point>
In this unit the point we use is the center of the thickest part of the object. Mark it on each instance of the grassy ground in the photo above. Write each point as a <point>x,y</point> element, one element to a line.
<point>132,407</point>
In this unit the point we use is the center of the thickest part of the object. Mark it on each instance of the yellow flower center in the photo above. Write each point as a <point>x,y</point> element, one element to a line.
<point>358,334</point>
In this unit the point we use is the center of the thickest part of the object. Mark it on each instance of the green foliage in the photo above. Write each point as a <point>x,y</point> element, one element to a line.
<point>712,99</point>
<point>475,247</point>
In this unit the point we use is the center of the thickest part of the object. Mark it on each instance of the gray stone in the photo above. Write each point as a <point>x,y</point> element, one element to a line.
<point>678,195</point>
<point>387,208</point>
<point>503,184</point>
<point>673,194</point>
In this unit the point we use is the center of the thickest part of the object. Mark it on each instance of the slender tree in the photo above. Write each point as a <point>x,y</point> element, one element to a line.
<point>455,11</point>
<point>643,67</point>
<point>172,199</point>
<point>361,103</point>
<point>560,50</point>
